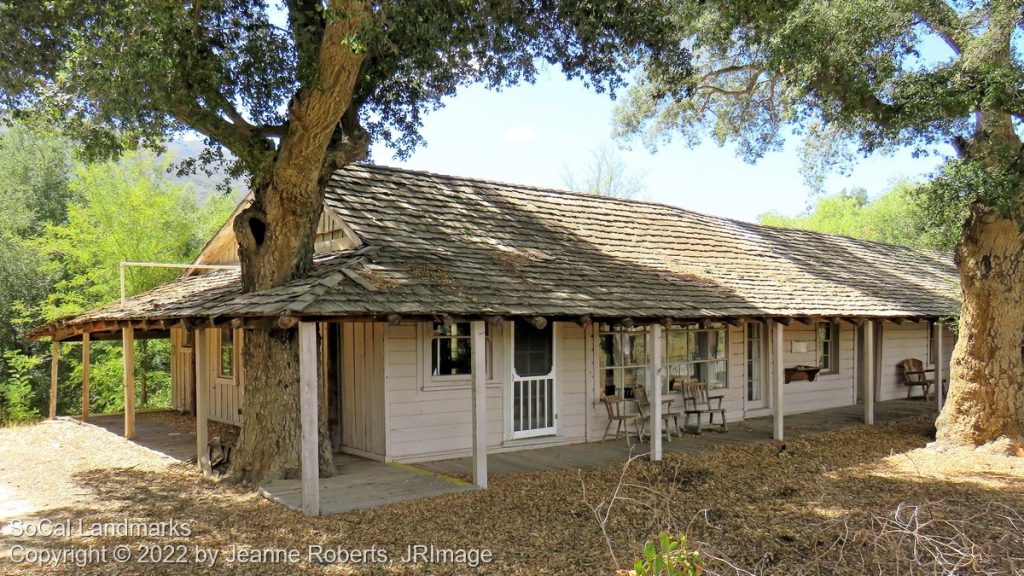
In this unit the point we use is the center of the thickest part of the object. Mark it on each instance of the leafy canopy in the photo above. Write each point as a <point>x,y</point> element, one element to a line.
<point>126,211</point>
<point>849,77</point>
<point>898,216</point>
<point>121,71</point>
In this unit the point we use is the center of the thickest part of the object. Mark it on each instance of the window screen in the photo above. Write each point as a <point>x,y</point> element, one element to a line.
<point>534,349</point>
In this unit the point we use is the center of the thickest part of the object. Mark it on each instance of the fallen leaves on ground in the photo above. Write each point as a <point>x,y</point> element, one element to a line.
<point>817,506</point>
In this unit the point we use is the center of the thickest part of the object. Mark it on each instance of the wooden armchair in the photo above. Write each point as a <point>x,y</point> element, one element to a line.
<point>697,401</point>
<point>644,405</point>
<point>616,408</point>
<point>915,374</point>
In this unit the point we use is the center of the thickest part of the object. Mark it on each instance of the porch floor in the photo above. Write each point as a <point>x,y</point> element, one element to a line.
<point>362,483</point>
<point>754,430</point>
<point>359,483</point>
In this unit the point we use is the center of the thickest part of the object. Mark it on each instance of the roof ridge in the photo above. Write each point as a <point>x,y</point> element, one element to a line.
<point>629,201</point>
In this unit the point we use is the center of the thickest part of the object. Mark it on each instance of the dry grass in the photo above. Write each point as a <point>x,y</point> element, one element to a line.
<point>819,506</point>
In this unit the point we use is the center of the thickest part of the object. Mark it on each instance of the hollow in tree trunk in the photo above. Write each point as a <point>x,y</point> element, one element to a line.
<point>986,392</point>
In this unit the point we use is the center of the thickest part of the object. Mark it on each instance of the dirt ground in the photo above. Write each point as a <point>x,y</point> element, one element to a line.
<point>865,500</point>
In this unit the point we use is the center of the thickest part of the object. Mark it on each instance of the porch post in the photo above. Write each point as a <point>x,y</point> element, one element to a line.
<point>939,362</point>
<point>869,372</point>
<point>85,376</point>
<point>479,400</point>
<point>655,381</point>
<point>780,382</point>
<point>54,363</point>
<point>128,349</point>
<point>202,377</point>
<point>308,397</point>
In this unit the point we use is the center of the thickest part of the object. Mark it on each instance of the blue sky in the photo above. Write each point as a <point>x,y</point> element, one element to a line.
<point>530,134</point>
<point>533,134</point>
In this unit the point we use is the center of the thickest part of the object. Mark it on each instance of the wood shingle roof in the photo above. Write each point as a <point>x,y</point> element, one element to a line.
<point>444,245</point>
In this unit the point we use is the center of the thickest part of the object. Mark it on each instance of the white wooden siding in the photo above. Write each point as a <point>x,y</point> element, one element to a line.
<point>902,341</point>
<point>428,422</point>
<point>182,371</point>
<point>225,396</point>
<point>828,390</point>
<point>362,394</point>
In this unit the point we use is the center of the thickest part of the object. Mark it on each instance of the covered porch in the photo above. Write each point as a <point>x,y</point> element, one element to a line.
<point>612,451</point>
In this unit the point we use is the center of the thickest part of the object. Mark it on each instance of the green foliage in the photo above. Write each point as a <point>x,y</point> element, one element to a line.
<point>17,397</point>
<point>903,215</point>
<point>127,211</point>
<point>227,70</point>
<point>850,77</point>
<point>668,557</point>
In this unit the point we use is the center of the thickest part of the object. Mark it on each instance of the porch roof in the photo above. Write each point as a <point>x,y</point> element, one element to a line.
<point>446,245</point>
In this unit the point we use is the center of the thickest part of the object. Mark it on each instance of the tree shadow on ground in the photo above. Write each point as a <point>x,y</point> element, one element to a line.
<point>765,509</point>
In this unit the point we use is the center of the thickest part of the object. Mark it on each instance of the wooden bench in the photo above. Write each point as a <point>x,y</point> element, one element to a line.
<point>697,401</point>
<point>915,374</point>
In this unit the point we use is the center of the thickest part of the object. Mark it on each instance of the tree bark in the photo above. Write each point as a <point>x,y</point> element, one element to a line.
<point>986,392</point>
<point>275,236</point>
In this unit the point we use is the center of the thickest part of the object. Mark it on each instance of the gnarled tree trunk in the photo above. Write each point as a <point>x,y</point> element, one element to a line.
<point>986,393</point>
<point>275,236</point>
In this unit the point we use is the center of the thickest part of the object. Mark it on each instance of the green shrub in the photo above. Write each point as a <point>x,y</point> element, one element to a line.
<point>16,388</point>
<point>668,557</point>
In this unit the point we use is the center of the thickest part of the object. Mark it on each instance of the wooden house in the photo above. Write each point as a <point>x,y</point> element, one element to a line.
<point>458,316</point>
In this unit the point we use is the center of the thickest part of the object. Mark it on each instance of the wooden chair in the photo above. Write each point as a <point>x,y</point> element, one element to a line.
<point>644,405</point>
<point>616,408</point>
<point>915,374</point>
<point>697,401</point>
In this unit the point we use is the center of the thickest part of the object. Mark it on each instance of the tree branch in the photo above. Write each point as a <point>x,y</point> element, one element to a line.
<point>942,19</point>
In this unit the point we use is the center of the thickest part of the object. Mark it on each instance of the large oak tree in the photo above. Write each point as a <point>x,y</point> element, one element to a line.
<point>866,75</point>
<point>293,92</point>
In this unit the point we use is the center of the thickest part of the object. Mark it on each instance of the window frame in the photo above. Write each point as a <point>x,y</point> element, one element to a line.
<point>219,351</point>
<point>721,359</point>
<point>759,344</point>
<point>619,370</point>
<point>434,336</point>
<point>550,329</point>
<point>495,359</point>
<point>833,346</point>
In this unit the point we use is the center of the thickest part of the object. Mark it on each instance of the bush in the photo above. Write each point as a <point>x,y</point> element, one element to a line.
<point>16,389</point>
<point>668,557</point>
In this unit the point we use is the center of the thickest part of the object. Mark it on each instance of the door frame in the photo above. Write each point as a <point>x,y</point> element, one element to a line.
<point>752,407</point>
<point>509,392</point>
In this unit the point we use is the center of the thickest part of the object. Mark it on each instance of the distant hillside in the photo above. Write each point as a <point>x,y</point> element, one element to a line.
<point>203,184</point>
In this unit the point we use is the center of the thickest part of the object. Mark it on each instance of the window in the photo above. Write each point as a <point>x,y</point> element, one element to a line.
<point>450,350</point>
<point>827,337</point>
<point>227,353</point>
<point>622,359</point>
<point>533,349</point>
<point>755,364</point>
<point>697,354</point>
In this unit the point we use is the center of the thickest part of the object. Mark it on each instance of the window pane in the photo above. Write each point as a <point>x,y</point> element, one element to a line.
<point>701,351</point>
<point>634,348</point>
<point>454,329</point>
<point>675,346</point>
<point>227,352</point>
<point>609,350</point>
<point>608,383</point>
<point>451,356</point>
<point>717,375</point>
<point>533,349</point>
